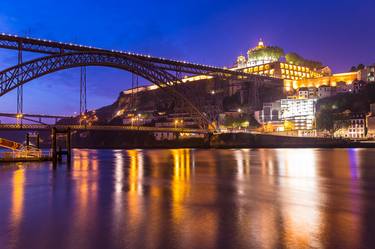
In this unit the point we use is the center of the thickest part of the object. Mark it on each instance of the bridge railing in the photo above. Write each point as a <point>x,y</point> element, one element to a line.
<point>102,128</point>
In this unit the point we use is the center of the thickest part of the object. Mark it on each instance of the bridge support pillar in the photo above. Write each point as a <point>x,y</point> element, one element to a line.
<point>58,154</point>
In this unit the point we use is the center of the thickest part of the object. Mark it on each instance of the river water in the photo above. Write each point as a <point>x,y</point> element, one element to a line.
<point>186,198</point>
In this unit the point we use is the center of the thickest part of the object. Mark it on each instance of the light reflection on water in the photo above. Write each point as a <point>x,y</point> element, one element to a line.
<point>185,198</point>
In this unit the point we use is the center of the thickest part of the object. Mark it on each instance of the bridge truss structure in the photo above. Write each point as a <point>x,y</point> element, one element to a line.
<point>57,56</point>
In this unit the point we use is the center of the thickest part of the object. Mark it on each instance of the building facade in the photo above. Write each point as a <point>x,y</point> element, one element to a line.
<point>353,127</point>
<point>301,112</point>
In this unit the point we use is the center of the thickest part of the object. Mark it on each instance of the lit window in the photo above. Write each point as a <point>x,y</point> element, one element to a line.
<point>267,66</point>
<point>261,68</point>
<point>281,65</point>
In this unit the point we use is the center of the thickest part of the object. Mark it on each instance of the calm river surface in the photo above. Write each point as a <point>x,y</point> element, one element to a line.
<point>186,198</point>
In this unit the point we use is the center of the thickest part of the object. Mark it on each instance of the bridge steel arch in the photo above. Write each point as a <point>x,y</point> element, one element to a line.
<point>18,75</point>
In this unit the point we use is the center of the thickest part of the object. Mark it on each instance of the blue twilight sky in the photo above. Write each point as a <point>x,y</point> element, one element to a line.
<point>340,33</point>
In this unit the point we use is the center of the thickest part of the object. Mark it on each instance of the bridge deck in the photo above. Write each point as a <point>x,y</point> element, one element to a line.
<point>101,128</point>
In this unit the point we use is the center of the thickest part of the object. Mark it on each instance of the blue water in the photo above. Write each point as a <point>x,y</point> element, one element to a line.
<point>241,198</point>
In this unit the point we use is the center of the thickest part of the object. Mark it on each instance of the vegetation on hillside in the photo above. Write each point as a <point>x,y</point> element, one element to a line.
<point>271,52</point>
<point>330,109</point>
<point>294,58</point>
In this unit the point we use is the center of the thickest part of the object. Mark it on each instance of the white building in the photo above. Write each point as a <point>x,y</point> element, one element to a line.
<point>271,112</point>
<point>299,111</point>
<point>307,93</point>
<point>369,73</point>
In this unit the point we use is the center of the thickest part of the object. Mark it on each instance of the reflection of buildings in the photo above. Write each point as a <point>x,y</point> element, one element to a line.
<point>301,197</point>
<point>17,208</point>
<point>181,178</point>
<point>136,171</point>
<point>85,173</point>
<point>18,196</point>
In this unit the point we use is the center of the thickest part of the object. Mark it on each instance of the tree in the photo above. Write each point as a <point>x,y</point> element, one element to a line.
<point>340,124</point>
<point>273,52</point>
<point>296,59</point>
<point>353,69</point>
<point>360,67</point>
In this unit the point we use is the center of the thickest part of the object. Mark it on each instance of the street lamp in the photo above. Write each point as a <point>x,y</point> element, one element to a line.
<point>178,122</point>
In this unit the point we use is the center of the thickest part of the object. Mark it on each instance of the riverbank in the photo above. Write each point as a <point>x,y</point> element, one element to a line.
<point>232,140</point>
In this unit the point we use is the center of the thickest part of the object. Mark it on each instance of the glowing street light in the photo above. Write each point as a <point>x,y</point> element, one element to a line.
<point>178,122</point>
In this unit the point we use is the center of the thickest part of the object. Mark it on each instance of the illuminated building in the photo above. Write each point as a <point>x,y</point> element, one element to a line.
<point>178,120</point>
<point>298,113</point>
<point>301,112</point>
<point>307,93</point>
<point>271,112</point>
<point>369,73</point>
<point>271,61</point>
<point>371,122</point>
<point>355,128</point>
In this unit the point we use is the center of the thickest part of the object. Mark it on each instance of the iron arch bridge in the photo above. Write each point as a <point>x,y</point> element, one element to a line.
<point>164,73</point>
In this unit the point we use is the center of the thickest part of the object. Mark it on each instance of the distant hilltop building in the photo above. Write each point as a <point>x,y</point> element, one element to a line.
<point>295,70</point>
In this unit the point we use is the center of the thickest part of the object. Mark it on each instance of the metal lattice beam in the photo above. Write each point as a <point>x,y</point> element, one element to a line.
<point>19,75</point>
<point>53,47</point>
